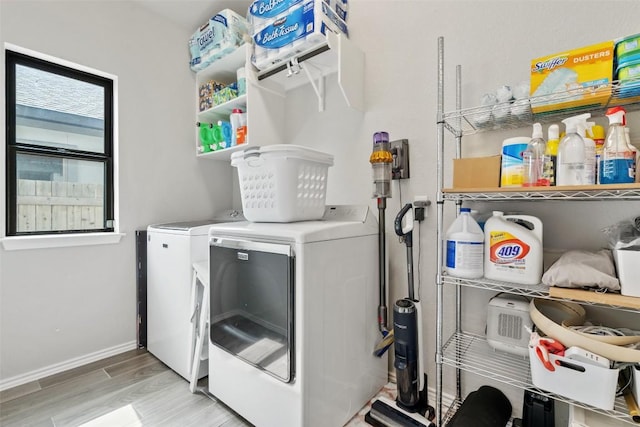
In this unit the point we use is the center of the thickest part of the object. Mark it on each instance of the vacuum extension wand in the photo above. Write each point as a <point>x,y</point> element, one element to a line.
<point>382,267</point>
<point>381,161</point>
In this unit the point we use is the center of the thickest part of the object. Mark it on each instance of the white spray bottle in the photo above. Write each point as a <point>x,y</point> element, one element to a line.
<point>572,153</point>
<point>590,152</point>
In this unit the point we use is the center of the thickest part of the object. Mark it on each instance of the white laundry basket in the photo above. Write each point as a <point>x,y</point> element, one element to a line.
<point>282,183</point>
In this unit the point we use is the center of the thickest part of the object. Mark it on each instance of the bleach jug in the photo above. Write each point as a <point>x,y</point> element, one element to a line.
<point>513,248</point>
<point>465,247</point>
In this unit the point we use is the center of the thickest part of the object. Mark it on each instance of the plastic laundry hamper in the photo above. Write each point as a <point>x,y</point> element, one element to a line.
<point>282,183</point>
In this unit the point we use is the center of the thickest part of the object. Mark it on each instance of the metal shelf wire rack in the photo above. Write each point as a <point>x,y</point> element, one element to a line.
<point>472,353</point>
<point>473,120</point>
<point>580,193</point>
<point>532,291</point>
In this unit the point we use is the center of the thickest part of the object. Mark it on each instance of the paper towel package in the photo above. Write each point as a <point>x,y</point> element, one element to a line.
<point>576,78</point>
<point>300,27</point>
<point>220,35</point>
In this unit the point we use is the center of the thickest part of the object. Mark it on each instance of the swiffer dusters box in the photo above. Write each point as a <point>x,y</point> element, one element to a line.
<point>577,78</point>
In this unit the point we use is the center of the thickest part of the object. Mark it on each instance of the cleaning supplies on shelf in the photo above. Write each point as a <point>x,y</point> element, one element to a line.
<point>465,247</point>
<point>534,160</point>
<point>597,134</point>
<point>617,165</point>
<point>227,133</point>
<point>206,137</point>
<point>241,78</point>
<point>512,167</point>
<point>589,177</point>
<point>513,248</point>
<point>627,133</point>
<point>572,153</point>
<point>551,153</point>
<point>238,121</point>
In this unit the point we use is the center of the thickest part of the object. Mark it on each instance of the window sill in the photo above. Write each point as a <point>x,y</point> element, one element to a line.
<point>16,243</point>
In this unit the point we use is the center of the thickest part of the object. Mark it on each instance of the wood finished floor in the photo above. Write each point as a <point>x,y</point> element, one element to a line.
<point>127,390</point>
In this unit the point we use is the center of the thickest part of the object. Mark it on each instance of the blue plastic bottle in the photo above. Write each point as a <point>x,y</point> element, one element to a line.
<point>617,164</point>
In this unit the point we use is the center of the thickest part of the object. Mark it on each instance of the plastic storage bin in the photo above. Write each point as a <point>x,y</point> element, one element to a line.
<point>576,380</point>
<point>282,183</point>
<point>628,268</point>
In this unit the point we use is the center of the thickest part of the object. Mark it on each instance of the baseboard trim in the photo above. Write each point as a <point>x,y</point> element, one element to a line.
<point>66,365</point>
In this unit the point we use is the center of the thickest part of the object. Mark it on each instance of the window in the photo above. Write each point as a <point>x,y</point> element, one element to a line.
<point>59,148</point>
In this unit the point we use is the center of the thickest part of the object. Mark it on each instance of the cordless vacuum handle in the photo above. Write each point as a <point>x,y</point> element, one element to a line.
<point>405,230</point>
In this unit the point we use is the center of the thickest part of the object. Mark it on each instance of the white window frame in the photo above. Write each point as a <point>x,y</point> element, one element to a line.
<point>66,239</point>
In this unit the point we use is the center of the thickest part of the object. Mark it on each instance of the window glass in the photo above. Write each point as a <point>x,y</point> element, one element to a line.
<point>55,193</point>
<point>58,111</point>
<point>59,148</point>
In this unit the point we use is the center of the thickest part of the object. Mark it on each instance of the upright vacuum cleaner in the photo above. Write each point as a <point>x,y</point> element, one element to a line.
<point>411,406</point>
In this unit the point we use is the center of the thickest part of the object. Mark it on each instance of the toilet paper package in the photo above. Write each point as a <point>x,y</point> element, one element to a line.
<point>340,7</point>
<point>263,12</point>
<point>299,28</point>
<point>575,78</point>
<point>221,35</point>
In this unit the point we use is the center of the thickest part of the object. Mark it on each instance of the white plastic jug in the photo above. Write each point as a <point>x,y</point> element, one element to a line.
<point>513,252</point>
<point>465,247</point>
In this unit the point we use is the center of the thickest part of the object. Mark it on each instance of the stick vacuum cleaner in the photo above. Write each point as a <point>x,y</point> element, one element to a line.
<point>411,407</point>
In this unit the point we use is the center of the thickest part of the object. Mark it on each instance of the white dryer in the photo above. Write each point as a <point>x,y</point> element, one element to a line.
<point>293,318</point>
<point>171,251</point>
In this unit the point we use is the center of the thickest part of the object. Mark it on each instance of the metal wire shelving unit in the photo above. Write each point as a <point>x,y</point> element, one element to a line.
<point>469,121</point>
<point>469,352</point>
<point>472,353</point>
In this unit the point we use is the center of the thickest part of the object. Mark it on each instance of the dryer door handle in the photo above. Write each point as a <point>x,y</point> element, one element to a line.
<point>249,245</point>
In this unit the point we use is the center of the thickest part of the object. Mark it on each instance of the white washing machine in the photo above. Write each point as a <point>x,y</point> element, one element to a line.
<point>293,318</point>
<point>171,251</point>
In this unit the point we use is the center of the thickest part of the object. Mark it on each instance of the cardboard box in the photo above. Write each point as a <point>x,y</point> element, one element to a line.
<point>575,79</point>
<point>477,172</point>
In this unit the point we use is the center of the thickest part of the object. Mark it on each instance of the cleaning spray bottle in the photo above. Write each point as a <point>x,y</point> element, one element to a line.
<point>534,159</point>
<point>572,153</point>
<point>597,134</point>
<point>617,165</point>
<point>590,152</point>
<point>551,153</point>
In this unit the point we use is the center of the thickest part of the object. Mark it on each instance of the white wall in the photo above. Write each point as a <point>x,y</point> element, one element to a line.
<point>58,306</point>
<point>494,42</point>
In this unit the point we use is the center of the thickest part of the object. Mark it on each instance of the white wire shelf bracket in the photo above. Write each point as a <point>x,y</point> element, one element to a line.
<point>468,121</point>
<point>472,353</point>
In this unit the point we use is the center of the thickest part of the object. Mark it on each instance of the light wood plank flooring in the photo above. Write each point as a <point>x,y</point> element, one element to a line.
<point>127,390</point>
